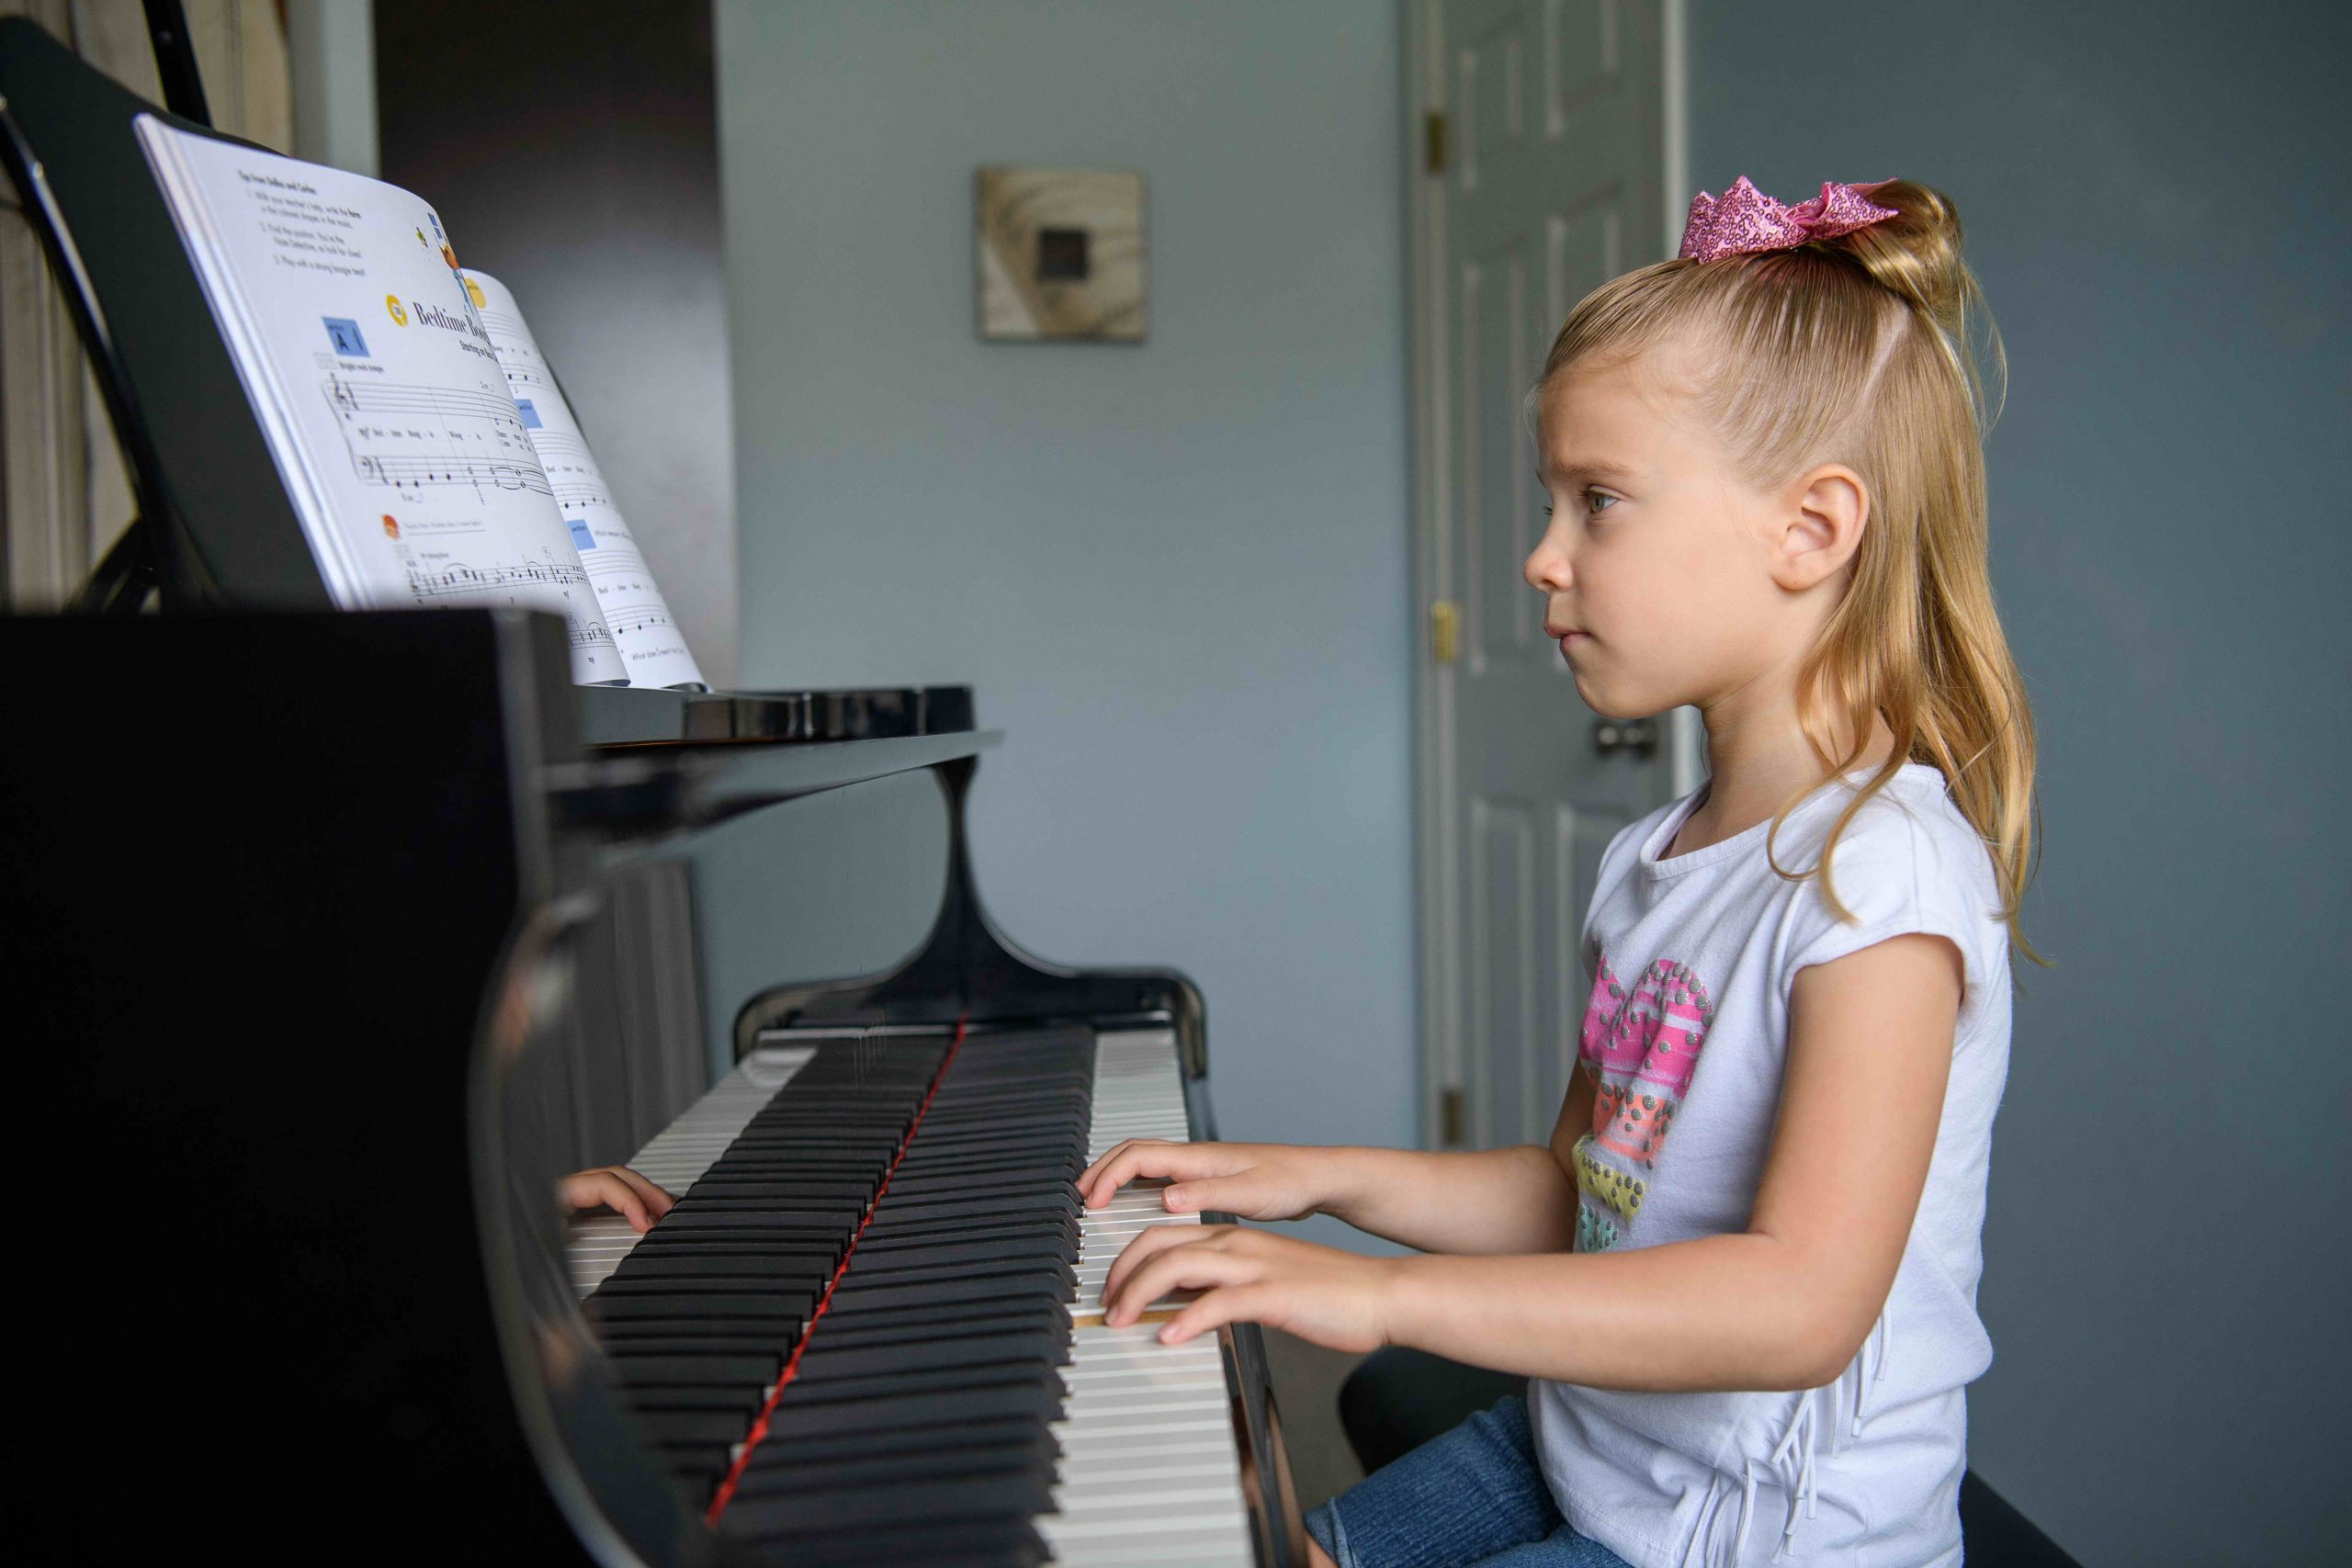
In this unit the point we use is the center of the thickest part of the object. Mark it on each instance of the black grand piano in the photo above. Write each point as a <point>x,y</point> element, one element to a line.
<point>334,940</point>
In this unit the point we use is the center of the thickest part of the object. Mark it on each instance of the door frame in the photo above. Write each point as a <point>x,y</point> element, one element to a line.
<point>1437,861</point>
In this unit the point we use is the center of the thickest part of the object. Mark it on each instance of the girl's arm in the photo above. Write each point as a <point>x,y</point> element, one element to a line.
<point>1513,1199</point>
<point>1784,1304</point>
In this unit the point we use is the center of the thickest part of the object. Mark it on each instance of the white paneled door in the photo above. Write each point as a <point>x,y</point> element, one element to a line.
<point>1543,172</point>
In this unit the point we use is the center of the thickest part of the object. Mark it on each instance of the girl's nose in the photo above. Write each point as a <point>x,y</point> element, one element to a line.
<point>1546,570</point>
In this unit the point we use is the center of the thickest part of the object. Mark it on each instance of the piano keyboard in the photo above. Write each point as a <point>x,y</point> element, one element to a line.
<point>925,1376</point>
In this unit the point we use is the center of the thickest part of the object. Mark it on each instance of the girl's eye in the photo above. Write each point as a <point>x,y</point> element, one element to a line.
<point>1596,501</point>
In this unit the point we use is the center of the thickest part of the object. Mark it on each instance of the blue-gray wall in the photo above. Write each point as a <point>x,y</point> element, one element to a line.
<point>1175,571</point>
<point>2153,195</point>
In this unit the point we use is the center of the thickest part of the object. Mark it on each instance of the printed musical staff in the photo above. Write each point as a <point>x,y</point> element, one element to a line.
<point>457,577</point>
<point>356,398</point>
<point>409,437</point>
<point>408,473</point>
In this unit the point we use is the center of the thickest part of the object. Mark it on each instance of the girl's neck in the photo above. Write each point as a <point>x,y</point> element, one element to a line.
<point>1758,759</point>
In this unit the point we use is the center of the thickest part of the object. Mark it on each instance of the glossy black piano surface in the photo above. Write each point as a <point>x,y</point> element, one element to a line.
<point>337,947</point>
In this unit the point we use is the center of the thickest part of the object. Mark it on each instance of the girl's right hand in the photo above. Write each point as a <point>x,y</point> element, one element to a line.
<point>1257,1181</point>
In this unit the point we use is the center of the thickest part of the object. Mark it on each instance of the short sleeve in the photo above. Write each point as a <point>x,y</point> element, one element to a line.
<point>1900,871</point>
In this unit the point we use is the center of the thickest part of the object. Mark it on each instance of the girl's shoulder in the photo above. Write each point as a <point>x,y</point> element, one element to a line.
<point>1908,861</point>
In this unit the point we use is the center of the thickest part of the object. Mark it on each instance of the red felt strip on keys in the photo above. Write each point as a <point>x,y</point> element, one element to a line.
<point>792,1363</point>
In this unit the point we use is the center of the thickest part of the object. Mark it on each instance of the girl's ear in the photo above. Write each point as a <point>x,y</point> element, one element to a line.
<point>1820,526</point>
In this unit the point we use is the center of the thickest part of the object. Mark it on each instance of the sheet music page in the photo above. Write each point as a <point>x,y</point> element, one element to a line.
<point>648,638</point>
<point>374,379</point>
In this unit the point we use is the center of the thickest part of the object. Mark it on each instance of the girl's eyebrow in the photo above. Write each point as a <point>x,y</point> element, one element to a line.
<point>1597,469</point>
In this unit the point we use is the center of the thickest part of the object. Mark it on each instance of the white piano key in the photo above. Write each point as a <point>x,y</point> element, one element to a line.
<point>1150,1472</point>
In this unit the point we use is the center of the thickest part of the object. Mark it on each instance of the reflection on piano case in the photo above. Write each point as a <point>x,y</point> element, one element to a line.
<point>335,937</point>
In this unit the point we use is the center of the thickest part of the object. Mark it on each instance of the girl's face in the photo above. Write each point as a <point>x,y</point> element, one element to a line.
<point>1657,566</point>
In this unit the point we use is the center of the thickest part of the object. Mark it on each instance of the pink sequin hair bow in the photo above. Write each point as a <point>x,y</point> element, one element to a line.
<point>1744,220</point>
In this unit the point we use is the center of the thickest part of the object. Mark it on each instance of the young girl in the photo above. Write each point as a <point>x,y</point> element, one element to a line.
<point>1743,1276</point>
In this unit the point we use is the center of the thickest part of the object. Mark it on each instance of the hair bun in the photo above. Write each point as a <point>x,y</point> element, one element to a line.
<point>1917,252</point>
<point>1916,255</point>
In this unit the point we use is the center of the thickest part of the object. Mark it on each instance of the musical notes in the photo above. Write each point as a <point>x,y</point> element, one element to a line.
<point>409,437</point>
<point>639,617</point>
<point>459,579</point>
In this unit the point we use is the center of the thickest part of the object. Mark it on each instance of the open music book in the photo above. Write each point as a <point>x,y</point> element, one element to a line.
<point>423,442</point>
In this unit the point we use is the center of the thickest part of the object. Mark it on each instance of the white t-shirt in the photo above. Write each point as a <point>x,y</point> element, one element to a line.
<point>1691,959</point>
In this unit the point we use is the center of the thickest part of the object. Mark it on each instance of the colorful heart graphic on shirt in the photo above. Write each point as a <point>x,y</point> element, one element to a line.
<point>1642,1049</point>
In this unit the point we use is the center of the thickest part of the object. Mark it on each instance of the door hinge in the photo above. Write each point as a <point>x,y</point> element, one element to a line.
<point>1449,1116</point>
<point>1433,129</point>
<point>1445,631</point>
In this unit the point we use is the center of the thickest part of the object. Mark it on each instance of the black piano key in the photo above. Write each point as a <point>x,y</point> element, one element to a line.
<point>955,1104</point>
<point>693,1426</point>
<point>699,1465</point>
<point>727,1244</point>
<point>690,1345</point>
<point>899,1325</point>
<point>935,1500</point>
<point>902,1231</point>
<point>744,1402</point>
<point>805,1286</point>
<point>1033,1399</point>
<point>769,1306</point>
<point>753,1192</point>
<point>1011,1459</point>
<point>887,1124</point>
<point>922,1209</point>
<point>1010,1433</point>
<point>1061,1268</point>
<point>1037,1285</point>
<point>765,1261</point>
<point>839,1117</point>
<point>695,1371</point>
<point>965,1543</point>
<point>787,1187</point>
<point>787,1297</point>
<point>879,1238</point>
<point>976,1143</point>
<point>729,1276</point>
<point>821,1362</point>
<point>887,1260</point>
<point>927,1173</point>
<point>872,1386</point>
<point>951,1184</point>
<point>780,1162</point>
<point>994,1188</point>
<point>690,1216</point>
<point>845,1115</point>
<point>941,1126</point>
<point>777,1330</point>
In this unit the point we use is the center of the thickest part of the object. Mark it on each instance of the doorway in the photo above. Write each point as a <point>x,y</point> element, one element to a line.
<point>1550,159</point>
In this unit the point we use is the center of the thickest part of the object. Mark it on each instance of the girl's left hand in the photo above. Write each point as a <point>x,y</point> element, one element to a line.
<point>1319,1293</point>
<point>620,1189</point>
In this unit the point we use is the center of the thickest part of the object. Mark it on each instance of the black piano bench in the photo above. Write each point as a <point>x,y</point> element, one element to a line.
<point>1397,1399</point>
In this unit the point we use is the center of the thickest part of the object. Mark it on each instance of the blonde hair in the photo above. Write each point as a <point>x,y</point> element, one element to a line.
<point>1861,350</point>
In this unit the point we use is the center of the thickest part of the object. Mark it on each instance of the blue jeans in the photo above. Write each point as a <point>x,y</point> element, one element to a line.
<point>1473,1496</point>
